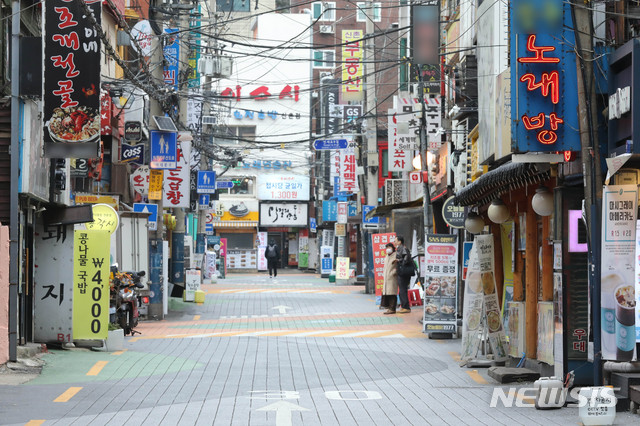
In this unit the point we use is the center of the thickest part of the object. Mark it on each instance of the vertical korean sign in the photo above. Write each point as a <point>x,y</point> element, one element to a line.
<point>348,176</point>
<point>91,284</point>
<point>399,158</point>
<point>71,79</point>
<point>352,67</point>
<point>379,241</point>
<point>441,292</point>
<point>176,182</point>
<point>619,206</point>
<point>171,52</point>
<point>480,297</point>
<point>544,77</point>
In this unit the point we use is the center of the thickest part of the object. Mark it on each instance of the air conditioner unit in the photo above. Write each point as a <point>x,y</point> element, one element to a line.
<point>209,119</point>
<point>326,29</point>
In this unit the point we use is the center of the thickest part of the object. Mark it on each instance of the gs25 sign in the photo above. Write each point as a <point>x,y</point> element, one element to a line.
<point>132,154</point>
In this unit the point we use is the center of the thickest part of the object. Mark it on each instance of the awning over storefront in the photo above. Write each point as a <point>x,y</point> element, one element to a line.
<point>238,224</point>
<point>386,209</point>
<point>506,178</point>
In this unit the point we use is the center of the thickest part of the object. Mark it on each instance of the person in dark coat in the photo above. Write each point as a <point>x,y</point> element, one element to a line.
<point>272,254</point>
<point>404,257</point>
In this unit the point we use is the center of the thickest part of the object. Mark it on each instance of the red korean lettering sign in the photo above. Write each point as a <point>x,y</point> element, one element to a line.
<point>348,171</point>
<point>378,245</point>
<point>176,182</point>
<point>71,72</point>
<point>352,66</point>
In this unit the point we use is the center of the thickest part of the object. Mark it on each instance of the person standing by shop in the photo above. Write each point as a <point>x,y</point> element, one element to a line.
<point>272,254</point>
<point>404,258</point>
<point>390,286</point>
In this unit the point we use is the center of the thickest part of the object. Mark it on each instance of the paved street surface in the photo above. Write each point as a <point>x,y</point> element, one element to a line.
<point>294,350</point>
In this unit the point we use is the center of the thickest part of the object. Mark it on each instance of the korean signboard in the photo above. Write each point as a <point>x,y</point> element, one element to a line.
<point>139,180</point>
<point>619,207</point>
<point>155,177</point>
<point>171,52</point>
<point>326,260</point>
<point>90,284</point>
<point>283,214</point>
<point>441,290</point>
<point>352,67</point>
<point>53,278</point>
<point>543,71</point>
<point>237,209</point>
<point>283,187</point>
<point>426,34</point>
<point>329,211</point>
<point>105,218</point>
<point>176,182</point>
<point>348,173</point>
<point>71,75</point>
<point>342,268</point>
<point>379,241</point>
<point>480,296</point>
<point>112,200</point>
<point>399,159</point>
<point>343,210</point>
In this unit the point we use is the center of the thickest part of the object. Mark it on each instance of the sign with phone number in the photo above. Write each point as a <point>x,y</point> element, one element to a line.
<point>91,284</point>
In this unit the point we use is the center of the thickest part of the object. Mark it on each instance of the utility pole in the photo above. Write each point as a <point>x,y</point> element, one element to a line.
<point>590,148</point>
<point>155,241</point>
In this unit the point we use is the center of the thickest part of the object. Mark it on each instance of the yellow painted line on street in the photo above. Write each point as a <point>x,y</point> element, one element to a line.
<point>119,352</point>
<point>196,317</point>
<point>34,422</point>
<point>97,368</point>
<point>477,377</point>
<point>455,356</point>
<point>68,394</point>
<point>527,399</point>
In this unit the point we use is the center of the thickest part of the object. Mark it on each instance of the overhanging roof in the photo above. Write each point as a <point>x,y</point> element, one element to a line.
<point>386,209</point>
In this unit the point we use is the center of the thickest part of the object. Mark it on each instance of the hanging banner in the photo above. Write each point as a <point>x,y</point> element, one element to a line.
<point>619,206</point>
<point>171,53</point>
<point>176,186</point>
<point>91,284</point>
<point>480,296</point>
<point>378,243</point>
<point>71,75</point>
<point>348,176</point>
<point>441,289</point>
<point>352,66</point>
<point>342,268</point>
<point>398,159</point>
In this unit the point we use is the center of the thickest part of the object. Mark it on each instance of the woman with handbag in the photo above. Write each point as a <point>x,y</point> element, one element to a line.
<point>390,285</point>
<point>406,269</point>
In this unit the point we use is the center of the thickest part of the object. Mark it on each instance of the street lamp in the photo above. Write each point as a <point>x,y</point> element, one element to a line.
<point>474,223</point>
<point>498,212</point>
<point>542,201</point>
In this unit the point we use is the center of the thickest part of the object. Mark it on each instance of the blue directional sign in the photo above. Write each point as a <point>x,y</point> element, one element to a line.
<point>206,182</point>
<point>374,220</point>
<point>148,208</point>
<point>313,225</point>
<point>164,150</point>
<point>224,184</point>
<point>325,144</point>
<point>203,201</point>
<point>208,229</point>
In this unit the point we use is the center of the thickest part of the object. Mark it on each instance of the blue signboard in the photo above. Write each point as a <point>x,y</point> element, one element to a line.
<point>326,144</point>
<point>171,52</point>
<point>206,182</point>
<point>336,188</point>
<point>544,108</point>
<point>374,220</point>
<point>164,150</point>
<point>148,208</point>
<point>208,228</point>
<point>466,254</point>
<point>224,184</point>
<point>312,224</point>
<point>329,211</point>
<point>203,201</point>
<point>327,265</point>
<point>132,154</point>
<point>353,209</point>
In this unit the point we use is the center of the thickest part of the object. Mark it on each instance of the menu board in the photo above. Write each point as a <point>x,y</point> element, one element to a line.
<point>242,259</point>
<point>441,290</point>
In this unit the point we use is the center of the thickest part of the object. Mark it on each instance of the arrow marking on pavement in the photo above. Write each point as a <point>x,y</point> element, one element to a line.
<point>284,410</point>
<point>282,309</point>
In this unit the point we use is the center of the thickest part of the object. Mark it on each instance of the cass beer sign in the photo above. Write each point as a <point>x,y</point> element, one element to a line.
<point>132,154</point>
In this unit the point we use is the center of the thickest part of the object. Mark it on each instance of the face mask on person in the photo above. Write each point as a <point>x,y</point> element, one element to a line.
<point>389,251</point>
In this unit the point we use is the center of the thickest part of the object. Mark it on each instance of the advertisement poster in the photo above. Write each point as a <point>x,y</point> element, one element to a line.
<point>283,187</point>
<point>303,248</point>
<point>546,328</point>
<point>619,206</point>
<point>192,284</point>
<point>91,284</point>
<point>342,268</point>
<point>262,246</point>
<point>71,74</point>
<point>481,305</point>
<point>466,251</point>
<point>441,284</point>
<point>326,259</point>
<point>379,241</point>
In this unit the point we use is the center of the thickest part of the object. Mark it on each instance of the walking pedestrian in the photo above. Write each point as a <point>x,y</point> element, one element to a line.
<point>404,257</point>
<point>272,254</point>
<point>390,284</point>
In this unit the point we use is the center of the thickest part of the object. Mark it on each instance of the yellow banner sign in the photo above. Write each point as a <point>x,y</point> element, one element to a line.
<point>91,284</point>
<point>111,200</point>
<point>155,184</point>
<point>352,66</point>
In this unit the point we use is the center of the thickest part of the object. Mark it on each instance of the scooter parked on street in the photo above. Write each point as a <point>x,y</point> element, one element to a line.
<point>124,298</point>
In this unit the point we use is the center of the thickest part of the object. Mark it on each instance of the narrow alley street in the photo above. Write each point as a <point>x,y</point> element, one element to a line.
<point>291,350</point>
